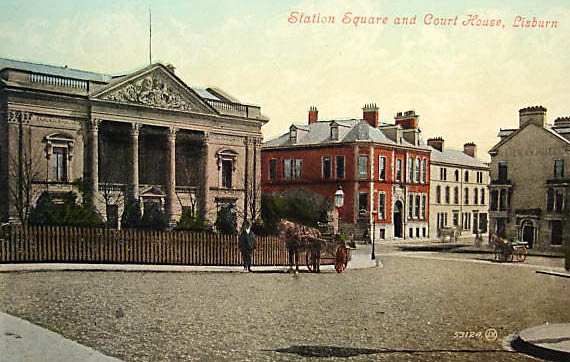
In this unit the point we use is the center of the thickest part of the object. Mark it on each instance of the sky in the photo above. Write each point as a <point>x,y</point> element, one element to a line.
<point>465,81</point>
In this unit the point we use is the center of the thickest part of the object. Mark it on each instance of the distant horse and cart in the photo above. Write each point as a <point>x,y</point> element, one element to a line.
<point>507,250</point>
<point>317,247</point>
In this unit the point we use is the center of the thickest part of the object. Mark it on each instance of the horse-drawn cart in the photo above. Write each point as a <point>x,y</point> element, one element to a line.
<point>300,238</point>
<point>335,251</point>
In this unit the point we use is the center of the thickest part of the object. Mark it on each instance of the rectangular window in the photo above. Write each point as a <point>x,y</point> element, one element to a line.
<point>362,166</point>
<point>381,205</point>
<point>382,168</point>
<point>424,232</point>
<point>417,207</point>
<point>272,169</point>
<point>418,170</point>
<point>362,204</point>
<point>424,199</point>
<point>327,167</point>
<point>424,170</point>
<point>410,206</point>
<point>558,168</point>
<point>227,170</point>
<point>442,173</point>
<point>466,220</point>
<point>297,165</point>
<point>503,171</point>
<point>410,170</point>
<point>411,232</point>
<point>466,196</point>
<point>339,166</point>
<point>399,169</point>
<point>382,234</point>
<point>455,218</point>
<point>466,178</point>
<point>287,169</point>
<point>59,164</point>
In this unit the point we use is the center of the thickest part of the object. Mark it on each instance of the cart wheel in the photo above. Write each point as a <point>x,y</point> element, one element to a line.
<point>521,254</point>
<point>341,259</point>
<point>309,262</point>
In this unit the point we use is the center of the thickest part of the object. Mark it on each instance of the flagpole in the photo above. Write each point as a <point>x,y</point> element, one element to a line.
<point>149,35</point>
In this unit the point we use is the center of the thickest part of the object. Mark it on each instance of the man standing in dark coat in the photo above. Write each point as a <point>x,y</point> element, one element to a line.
<point>246,244</point>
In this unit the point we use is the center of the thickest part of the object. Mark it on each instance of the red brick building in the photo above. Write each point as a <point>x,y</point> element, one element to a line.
<point>383,170</point>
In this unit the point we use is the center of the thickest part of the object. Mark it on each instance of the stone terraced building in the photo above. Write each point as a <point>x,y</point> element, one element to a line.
<point>530,179</point>
<point>459,194</point>
<point>143,136</point>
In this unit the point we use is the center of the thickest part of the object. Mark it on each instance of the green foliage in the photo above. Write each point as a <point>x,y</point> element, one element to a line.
<point>154,219</point>
<point>296,209</point>
<point>191,222</point>
<point>132,216</point>
<point>226,220</point>
<point>63,209</point>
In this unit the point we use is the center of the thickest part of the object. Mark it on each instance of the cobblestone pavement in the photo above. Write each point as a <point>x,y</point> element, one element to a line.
<point>412,309</point>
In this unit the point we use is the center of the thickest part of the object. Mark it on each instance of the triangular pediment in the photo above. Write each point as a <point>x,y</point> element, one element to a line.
<point>154,87</point>
<point>152,191</point>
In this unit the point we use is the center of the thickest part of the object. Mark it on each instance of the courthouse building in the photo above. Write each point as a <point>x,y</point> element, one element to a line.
<point>143,136</point>
<point>381,168</point>
<point>530,178</point>
<point>459,195</point>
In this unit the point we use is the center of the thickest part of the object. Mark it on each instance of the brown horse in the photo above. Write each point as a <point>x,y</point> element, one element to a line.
<point>301,238</point>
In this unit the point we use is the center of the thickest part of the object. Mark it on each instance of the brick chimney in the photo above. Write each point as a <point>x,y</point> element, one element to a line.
<point>436,143</point>
<point>535,115</point>
<point>407,120</point>
<point>313,114</point>
<point>370,114</point>
<point>470,149</point>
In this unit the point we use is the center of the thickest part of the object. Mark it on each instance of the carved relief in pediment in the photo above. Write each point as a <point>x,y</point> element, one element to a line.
<point>153,90</point>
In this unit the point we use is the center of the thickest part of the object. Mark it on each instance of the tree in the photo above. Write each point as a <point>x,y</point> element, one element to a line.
<point>226,220</point>
<point>24,172</point>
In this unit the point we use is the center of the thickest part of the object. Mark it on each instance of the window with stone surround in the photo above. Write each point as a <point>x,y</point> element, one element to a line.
<point>59,152</point>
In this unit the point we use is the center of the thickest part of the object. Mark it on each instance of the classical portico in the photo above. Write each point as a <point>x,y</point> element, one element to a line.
<point>148,137</point>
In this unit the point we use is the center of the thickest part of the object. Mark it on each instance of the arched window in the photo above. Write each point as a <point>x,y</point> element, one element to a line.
<point>482,196</point>
<point>457,175</point>
<point>466,196</point>
<point>447,194</point>
<point>475,196</point>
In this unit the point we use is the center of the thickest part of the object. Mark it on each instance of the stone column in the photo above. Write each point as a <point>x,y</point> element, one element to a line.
<point>94,165</point>
<point>204,184</point>
<point>135,131</point>
<point>171,176</point>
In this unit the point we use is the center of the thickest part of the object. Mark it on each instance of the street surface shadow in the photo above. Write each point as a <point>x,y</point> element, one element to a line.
<point>346,352</point>
<point>443,247</point>
<point>327,351</point>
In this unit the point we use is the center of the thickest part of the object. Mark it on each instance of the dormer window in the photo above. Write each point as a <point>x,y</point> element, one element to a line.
<point>334,132</point>
<point>293,135</point>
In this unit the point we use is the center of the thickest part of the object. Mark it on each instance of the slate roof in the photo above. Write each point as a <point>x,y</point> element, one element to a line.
<point>455,157</point>
<point>349,130</point>
<point>58,71</point>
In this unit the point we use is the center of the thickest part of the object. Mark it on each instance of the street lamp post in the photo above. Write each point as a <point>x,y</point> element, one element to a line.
<point>338,203</point>
<point>373,253</point>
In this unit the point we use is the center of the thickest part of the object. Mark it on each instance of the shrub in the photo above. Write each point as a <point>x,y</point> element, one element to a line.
<point>63,209</point>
